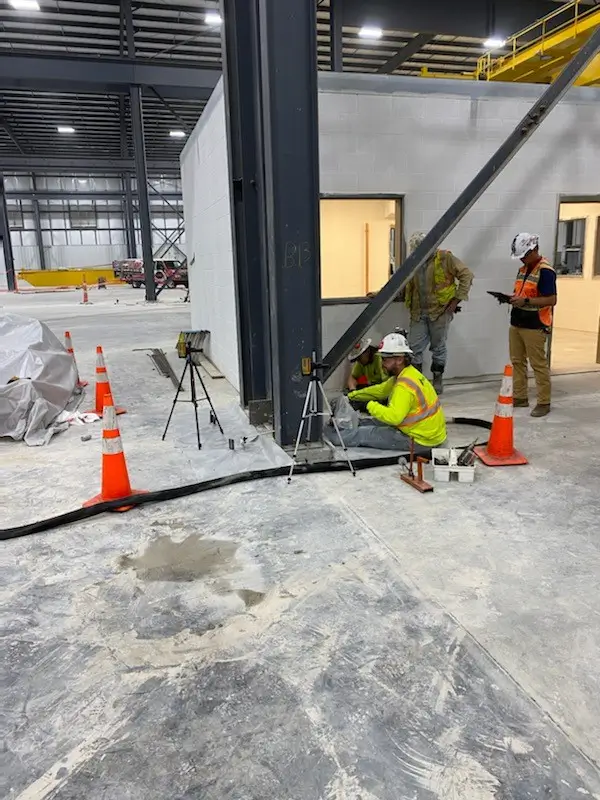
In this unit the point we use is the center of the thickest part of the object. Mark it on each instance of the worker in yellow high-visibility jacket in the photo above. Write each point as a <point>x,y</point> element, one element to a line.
<point>413,409</point>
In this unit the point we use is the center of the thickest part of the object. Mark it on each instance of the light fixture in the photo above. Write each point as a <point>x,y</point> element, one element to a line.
<point>493,43</point>
<point>368,32</point>
<point>213,18</point>
<point>82,180</point>
<point>25,5</point>
<point>177,134</point>
<point>65,129</point>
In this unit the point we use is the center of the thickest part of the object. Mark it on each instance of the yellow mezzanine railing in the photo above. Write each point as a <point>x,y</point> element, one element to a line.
<point>537,53</point>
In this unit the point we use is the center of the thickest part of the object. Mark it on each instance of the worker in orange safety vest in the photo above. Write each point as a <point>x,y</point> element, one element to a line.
<point>533,299</point>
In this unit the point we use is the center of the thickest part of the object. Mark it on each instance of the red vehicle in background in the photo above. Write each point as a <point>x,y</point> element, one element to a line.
<point>167,273</point>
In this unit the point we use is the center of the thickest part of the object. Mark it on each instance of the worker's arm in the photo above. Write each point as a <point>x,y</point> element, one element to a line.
<point>380,391</point>
<point>356,372</point>
<point>462,274</point>
<point>352,384</point>
<point>396,410</point>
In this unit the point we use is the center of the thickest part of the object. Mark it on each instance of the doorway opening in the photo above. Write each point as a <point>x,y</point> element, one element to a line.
<point>361,244</point>
<point>575,336</point>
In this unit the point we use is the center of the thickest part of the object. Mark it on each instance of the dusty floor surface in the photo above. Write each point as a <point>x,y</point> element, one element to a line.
<point>338,638</point>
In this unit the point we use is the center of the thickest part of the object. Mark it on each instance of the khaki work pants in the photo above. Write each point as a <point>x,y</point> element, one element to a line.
<point>529,345</point>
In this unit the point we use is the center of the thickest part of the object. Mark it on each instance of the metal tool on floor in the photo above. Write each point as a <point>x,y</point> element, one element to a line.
<point>194,399</point>
<point>416,481</point>
<point>312,368</point>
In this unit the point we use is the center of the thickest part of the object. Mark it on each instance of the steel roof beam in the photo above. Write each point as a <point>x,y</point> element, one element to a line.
<point>104,75</point>
<point>408,51</point>
<point>71,165</point>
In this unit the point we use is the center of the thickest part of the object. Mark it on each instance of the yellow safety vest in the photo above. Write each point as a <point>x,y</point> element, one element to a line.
<point>425,422</point>
<point>444,285</point>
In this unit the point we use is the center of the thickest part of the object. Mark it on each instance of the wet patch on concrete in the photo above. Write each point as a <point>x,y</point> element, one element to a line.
<point>250,597</point>
<point>188,560</point>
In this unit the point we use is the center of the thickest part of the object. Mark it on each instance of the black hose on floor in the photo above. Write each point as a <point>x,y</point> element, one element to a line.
<point>212,483</point>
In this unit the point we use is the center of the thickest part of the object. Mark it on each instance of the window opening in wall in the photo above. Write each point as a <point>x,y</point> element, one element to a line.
<point>577,314</point>
<point>83,216</point>
<point>569,253</point>
<point>16,219</point>
<point>360,244</point>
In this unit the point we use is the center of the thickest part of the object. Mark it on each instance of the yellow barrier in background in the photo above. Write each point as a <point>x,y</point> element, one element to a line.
<point>67,277</point>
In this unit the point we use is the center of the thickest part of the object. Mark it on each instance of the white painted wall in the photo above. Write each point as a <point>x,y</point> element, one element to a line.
<point>205,186</point>
<point>424,139</point>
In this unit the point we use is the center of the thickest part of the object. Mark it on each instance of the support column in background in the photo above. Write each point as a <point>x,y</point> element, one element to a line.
<point>38,227</point>
<point>141,174</point>
<point>288,67</point>
<point>129,217</point>
<point>9,263</point>
<point>335,35</point>
<point>242,99</point>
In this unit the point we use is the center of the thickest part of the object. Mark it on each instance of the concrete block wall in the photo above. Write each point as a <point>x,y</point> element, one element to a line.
<point>205,188</point>
<point>424,139</point>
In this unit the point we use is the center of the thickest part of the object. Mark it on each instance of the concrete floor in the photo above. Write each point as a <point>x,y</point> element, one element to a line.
<point>338,638</point>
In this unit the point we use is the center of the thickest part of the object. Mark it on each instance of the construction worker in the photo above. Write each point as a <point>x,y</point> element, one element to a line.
<point>432,298</point>
<point>367,368</point>
<point>413,410</point>
<point>532,301</point>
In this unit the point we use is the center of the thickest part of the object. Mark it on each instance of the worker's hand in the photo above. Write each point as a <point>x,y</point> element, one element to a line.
<point>517,301</point>
<point>452,306</point>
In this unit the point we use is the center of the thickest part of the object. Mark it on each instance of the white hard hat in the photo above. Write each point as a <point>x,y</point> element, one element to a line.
<point>358,349</point>
<point>415,240</point>
<point>394,344</point>
<point>524,243</point>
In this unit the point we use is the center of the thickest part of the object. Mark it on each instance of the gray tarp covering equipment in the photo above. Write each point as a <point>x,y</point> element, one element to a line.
<point>46,379</point>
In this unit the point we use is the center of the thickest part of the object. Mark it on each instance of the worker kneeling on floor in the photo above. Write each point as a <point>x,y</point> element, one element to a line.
<point>413,409</point>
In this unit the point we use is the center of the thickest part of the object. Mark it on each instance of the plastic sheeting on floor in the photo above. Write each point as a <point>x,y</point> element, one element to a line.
<point>38,379</point>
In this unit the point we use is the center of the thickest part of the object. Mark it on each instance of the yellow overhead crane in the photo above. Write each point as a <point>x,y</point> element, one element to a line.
<point>539,52</point>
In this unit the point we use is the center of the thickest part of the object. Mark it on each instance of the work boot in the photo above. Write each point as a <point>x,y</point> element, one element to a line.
<point>541,410</point>
<point>521,402</point>
<point>438,383</point>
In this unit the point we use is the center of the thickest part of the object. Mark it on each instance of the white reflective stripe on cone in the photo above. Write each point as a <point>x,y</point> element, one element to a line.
<point>102,377</point>
<point>504,410</point>
<point>506,389</point>
<point>110,418</point>
<point>100,360</point>
<point>111,447</point>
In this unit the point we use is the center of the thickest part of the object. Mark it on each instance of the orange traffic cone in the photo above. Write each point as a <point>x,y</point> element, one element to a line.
<point>71,352</point>
<point>500,451</point>
<point>115,478</point>
<point>102,385</point>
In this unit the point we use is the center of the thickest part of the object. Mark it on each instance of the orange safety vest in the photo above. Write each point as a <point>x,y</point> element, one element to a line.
<point>424,408</point>
<point>526,285</point>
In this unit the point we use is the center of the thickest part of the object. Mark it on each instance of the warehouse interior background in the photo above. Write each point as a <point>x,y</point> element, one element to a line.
<point>248,174</point>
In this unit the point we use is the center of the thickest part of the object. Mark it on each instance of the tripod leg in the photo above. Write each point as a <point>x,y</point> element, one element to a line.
<point>175,400</point>
<point>204,389</point>
<point>195,403</point>
<point>303,418</point>
<point>337,430</point>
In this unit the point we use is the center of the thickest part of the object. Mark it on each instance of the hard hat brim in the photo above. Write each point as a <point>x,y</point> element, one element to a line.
<point>355,354</point>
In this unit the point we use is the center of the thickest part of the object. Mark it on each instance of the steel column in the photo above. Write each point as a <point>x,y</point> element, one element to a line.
<point>242,97</point>
<point>288,65</point>
<point>137,126</point>
<point>336,35</point>
<point>9,262</point>
<point>39,240</point>
<point>129,217</point>
<point>459,208</point>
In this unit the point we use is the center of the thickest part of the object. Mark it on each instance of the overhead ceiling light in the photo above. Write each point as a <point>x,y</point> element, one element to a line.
<point>494,43</point>
<point>177,134</point>
<point>25,5</point>
<point>65,129</point>
<point>82,180</point>
<point>370,33</point>
<point>213,18</point>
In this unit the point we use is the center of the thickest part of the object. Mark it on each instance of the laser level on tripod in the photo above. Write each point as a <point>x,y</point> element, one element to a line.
<point>313,369</point>
<point>194,400</point>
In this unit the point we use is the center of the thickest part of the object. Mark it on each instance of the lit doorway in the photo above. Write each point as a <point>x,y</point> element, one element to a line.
<point>575,337</point>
